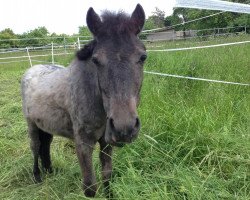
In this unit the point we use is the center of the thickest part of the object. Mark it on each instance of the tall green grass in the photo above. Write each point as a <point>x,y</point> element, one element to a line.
<point>194,141</point>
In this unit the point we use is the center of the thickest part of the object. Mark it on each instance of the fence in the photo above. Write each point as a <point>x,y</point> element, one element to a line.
<point>70,43</point>
<point>194,34</point>
<point>12,44</point>
<point>52,48</point>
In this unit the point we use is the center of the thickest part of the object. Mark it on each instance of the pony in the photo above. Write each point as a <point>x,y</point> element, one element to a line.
<point>94,99</point>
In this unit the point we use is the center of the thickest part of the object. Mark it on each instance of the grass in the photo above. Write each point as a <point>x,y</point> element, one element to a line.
<point>194,142</point>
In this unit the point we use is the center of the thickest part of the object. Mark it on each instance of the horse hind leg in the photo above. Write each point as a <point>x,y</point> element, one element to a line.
<point>44,150</point>
<point>35,146</point>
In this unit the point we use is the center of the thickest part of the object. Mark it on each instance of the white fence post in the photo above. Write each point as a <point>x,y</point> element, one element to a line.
<point>52,53</point>
<point>78,41</point>
<point>27,49</point>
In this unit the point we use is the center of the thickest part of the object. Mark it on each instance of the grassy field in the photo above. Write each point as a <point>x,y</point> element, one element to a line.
<point>194,142</point>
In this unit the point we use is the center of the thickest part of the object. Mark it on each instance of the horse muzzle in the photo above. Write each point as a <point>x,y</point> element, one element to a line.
<point>119,132</point>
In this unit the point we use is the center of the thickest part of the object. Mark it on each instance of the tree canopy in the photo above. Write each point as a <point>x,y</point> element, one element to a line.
<point>181,15</point>
<point>37,37</point>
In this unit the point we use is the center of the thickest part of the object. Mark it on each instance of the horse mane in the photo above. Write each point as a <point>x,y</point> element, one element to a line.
<point>113,22</point>
<point>86,52</point>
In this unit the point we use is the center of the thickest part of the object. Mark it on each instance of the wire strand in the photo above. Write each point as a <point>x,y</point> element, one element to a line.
<point>194,78</point>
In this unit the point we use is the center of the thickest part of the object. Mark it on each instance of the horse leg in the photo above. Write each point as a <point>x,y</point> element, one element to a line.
<point>106,162</point>
<point>84,150</point>
<point>35,146</point>
<point>44,151</point>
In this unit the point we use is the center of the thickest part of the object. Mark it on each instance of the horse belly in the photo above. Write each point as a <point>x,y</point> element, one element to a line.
<point>53,121</point>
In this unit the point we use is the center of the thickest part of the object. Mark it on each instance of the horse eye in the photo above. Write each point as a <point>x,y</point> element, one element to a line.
<point>143,58</point>
<point>95,60</point>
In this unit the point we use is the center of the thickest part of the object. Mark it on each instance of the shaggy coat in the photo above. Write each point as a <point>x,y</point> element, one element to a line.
<point>93,100</point>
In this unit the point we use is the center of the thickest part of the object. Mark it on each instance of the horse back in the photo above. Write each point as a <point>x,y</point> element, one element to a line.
<point>46,98</point>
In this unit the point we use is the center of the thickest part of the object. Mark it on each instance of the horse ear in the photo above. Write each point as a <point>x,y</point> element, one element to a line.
<point>93,21</point>
<point>138,18</point>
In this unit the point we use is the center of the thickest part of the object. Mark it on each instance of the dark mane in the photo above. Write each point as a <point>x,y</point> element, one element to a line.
<point>112,24</point>
<point>86,52</point>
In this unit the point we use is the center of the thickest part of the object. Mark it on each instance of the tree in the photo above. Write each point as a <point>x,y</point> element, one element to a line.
<point>41,32</point>
<point>172,20</point>
<point>156,20</point>
<point>150,24</point>
<point>158,17</point>
<point>217,21</point>
<point>7,39</point>
<point>84,31</point>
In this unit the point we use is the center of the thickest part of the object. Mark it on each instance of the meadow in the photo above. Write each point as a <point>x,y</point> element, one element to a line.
<point>194,142</point>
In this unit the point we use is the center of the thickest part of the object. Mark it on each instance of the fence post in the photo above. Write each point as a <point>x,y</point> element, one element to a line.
<point>64,42</point>
<point>78,41</point>
<point>245,29</point>
<point>52,53</point>
<point>174,35</point>
<point>27,49</point>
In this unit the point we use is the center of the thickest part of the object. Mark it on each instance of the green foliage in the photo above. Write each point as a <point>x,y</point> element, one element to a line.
<point>84,31</point>
<point>158,17</point>
<point>226,19</point>
<point>221,20</point>
<point>7,39</point>
<point>58,39</point>
<point>149,24</point>
<point>172,20</point>
<point>37,37</point>
<point>156,20</point>
<point>241,20</point>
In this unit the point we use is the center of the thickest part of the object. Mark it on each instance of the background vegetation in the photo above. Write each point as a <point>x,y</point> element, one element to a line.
<point>194,142</point>
<point>156,20</point>
<point>181,15</point>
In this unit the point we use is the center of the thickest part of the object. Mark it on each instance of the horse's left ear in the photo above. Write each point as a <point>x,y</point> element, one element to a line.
<point>138,18</point>
<point>93,21</point>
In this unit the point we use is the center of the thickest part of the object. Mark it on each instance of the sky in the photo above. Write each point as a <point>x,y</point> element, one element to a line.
<point>65,16</point>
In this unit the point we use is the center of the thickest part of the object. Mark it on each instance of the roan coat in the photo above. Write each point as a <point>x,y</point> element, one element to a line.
<point>93,100</point>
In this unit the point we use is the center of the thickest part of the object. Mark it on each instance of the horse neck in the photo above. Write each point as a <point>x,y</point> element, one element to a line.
<point>86,98</point>
<point>84,80</point>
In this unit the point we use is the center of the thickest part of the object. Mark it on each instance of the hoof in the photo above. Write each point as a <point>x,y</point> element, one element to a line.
<point>49,170</point>
<point>89,192</point>
<point>37,179</point>
<point>107,190</point>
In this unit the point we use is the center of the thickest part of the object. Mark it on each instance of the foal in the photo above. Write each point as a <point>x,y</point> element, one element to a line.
<point>93,100</point>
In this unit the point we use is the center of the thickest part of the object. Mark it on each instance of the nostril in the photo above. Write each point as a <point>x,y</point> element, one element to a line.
<point>111,123</point>
<point>137,123</point>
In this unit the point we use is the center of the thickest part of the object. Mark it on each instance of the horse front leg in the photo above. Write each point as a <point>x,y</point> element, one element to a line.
<point>106,162</point>
<point>84,149</point>
<point>35,145</point>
